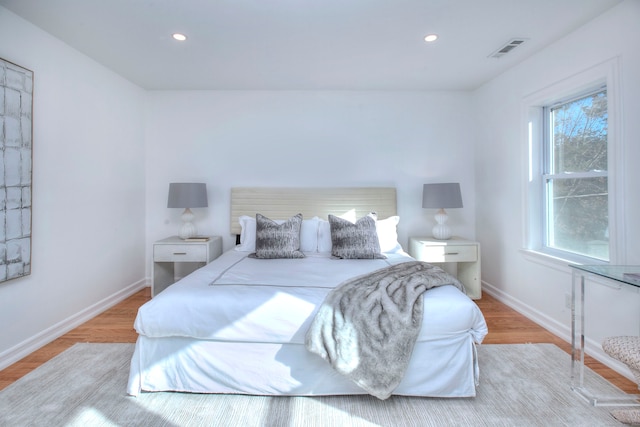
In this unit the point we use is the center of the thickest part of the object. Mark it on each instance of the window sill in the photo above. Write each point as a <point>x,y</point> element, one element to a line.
<point>557,263</point>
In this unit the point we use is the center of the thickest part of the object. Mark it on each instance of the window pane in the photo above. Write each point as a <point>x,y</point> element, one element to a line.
<point>578,216</point>
<point>579,133</point>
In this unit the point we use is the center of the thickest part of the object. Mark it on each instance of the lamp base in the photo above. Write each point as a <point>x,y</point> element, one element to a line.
<point>188,228</point>
<point>441,231</point>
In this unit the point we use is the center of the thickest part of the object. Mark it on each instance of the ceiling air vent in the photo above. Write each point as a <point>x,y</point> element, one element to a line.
<point>512,44</point>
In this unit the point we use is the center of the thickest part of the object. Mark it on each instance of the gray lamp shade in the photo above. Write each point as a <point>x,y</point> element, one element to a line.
<point>441,196</point>
<point>187,195</point>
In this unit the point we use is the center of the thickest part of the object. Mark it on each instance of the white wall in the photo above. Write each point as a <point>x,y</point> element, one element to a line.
<point>298,138</point>
<point>535,286</point>
<point>88,191</point>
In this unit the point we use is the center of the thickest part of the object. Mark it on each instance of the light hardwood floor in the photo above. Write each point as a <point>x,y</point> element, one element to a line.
<point>506,326</point>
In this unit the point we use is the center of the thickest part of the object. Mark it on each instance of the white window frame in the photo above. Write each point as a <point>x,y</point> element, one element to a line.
<point>604,74</point>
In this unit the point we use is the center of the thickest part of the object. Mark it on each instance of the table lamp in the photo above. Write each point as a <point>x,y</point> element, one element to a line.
<point>187,195</point>
<point>441,196</point>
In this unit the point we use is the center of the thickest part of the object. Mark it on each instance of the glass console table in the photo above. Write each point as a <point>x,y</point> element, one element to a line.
<point>615,276</point>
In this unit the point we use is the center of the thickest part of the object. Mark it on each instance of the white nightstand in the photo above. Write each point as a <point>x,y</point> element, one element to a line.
<point>167,252</point>
<point>456,256</point>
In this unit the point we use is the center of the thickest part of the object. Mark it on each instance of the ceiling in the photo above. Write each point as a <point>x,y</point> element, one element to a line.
<point>307,44</point>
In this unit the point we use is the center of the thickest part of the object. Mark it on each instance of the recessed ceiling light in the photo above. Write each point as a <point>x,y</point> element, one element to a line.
<point>430,38</point>
<point>179,37</point>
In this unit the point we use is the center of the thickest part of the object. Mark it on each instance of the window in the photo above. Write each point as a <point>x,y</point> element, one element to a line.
<point>575,177</point>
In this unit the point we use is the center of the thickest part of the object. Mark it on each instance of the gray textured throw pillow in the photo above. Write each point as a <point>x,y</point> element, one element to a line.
<point>355,241</point>
<point>278,240</point>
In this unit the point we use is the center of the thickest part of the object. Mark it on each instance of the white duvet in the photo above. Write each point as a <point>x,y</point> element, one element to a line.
<point>242,299</point>
<point>238,325</point>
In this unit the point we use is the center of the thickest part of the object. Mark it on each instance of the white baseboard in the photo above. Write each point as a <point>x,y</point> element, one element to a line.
<point>591,347</point>
<point>28,346</point>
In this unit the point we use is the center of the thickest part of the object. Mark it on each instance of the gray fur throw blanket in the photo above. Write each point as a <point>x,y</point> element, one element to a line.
<point>366,327</point>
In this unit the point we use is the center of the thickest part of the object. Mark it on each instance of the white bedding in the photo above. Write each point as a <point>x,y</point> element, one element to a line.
<point>238,324</point>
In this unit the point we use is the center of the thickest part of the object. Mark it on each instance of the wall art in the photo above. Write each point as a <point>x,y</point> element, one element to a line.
<point>16,144</point>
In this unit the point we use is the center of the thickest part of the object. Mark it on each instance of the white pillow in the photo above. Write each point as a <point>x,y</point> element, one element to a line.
<point>387,235</point>
<point>247,235</point>
<point>324,236</point>
<point>308,234</point>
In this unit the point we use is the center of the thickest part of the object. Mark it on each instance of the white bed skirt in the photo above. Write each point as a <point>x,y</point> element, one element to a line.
<point>438,368</point>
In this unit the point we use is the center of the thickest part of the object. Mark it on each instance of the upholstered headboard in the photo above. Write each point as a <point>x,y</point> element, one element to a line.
<point>282,203</point>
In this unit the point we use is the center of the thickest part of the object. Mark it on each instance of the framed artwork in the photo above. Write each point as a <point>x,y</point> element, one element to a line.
<point>16,144</point>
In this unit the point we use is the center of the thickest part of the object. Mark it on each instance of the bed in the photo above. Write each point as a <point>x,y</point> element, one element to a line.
<point>241,324</point>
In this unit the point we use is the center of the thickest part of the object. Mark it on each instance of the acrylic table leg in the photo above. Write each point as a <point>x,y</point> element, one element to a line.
<point>577,331</point>
<point>577,349</point>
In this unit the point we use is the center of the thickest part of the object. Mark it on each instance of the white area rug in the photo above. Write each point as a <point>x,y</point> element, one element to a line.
<point>520,385</point>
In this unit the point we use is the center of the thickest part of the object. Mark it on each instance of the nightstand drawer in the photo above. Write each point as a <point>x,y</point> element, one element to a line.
<point>449,253</point>
<point>456,256</point>
<point>188,256</point>
<point>180,253</point>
